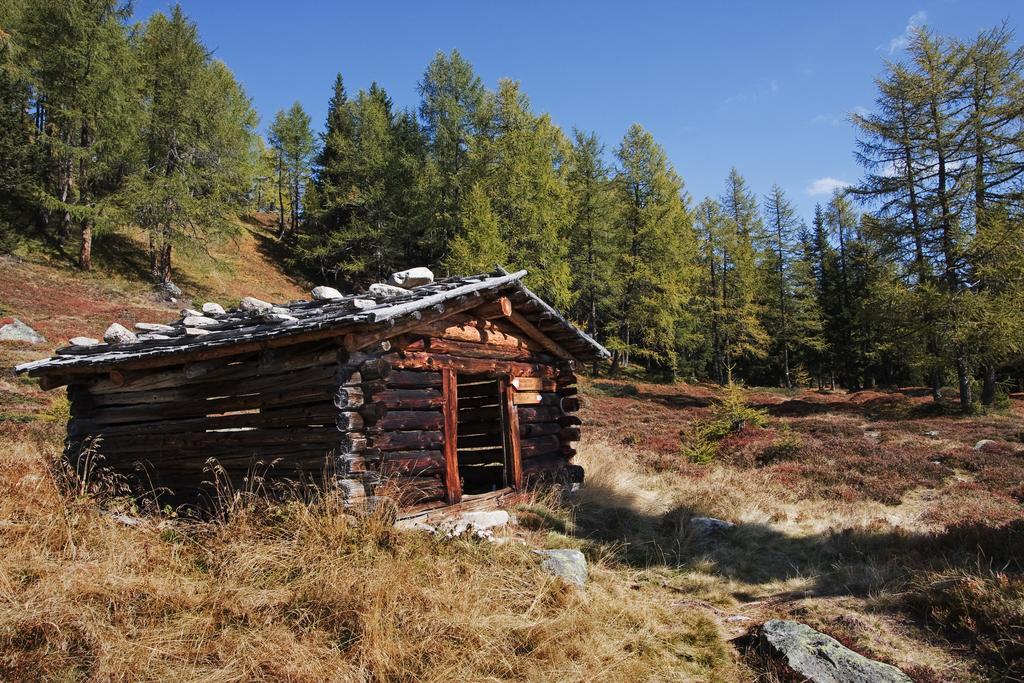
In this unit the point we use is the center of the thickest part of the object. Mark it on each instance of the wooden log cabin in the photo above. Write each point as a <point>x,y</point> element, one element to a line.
<point>444,392</point>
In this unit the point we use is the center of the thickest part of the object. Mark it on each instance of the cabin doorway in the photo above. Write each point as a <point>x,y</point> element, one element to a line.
<point>480,428</point>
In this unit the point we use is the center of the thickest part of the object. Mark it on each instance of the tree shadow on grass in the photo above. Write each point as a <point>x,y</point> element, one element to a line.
<point>119,254</point>
<point>275,251</point>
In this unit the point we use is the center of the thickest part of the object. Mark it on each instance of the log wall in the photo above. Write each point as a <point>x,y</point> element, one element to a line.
<point>373,421</point>
<point>293,413</point>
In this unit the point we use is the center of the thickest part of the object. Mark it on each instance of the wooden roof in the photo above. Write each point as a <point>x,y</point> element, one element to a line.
<point>240,331</point>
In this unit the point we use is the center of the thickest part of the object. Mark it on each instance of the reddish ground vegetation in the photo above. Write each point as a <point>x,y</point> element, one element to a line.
<point>869,445</point>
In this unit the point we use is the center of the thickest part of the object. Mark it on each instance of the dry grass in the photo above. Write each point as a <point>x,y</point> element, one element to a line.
<point>307,592</point>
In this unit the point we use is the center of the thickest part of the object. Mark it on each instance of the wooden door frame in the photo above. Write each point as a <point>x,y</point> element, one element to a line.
<point>450,410</point>
<point>510,433</point>
<point>513,452</point>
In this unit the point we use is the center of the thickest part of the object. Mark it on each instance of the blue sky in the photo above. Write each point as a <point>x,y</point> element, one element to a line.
<point>763,86</point>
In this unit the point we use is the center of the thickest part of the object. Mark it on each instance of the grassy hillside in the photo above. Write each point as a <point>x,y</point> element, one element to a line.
<point>871,517</point>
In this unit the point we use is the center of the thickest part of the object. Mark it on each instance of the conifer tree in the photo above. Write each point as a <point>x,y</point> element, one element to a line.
<point>782,225</point>
<point>197,143</point>
<point>82,71</point>
<point>526,184</point>
<point>454,112</point>
<point>657,262</point>
<point>590,231</point>
<point>292,140</point>
<point>743,336</point>
<point>479,246</point>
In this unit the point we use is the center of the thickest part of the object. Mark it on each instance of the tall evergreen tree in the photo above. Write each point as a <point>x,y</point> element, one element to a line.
<point>743,336</point>
<point>83,73</point>
<point>590,253</point>
<point>656,257</point>
<point>454,113</point>
<point>198,142</point>
<point>782,225</point>
<point>292,139</point>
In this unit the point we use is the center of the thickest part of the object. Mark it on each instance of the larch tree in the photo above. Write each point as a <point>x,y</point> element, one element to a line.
<point>292,140</point>
<point>454,113</point>
<point>590,231</point>
<point>525,174</point>
<point>83,72</point>
<point>198,143</point>
<point>657,261</point>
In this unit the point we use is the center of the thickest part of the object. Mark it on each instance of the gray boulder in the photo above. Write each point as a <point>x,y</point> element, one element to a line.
<point>414,277</point>
<point>383,291</point>
<point>325,293</point>
<point>153,327</point>
<point>981,444</point>
<point>709,526</point>
<point>566,563</point>
<point>83,341</point>
<point>254,305</point>
<point>119,334</point>
<point>198,321</point>
<point>20,332</point>
<point>213,308</point>
<point>818,658</point>
<point>169,290</point>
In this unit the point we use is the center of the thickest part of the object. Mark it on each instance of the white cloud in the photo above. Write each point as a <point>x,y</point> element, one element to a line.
<point>826,185</point>
<point>827,119</point>
<point>916,21</point>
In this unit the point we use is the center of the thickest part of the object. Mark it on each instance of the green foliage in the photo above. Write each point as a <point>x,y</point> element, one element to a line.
<point>730,414</point>
<point>197,143</point>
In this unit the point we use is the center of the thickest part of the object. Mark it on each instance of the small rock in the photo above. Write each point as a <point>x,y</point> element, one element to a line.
<point>20,332</point>
<point>212,308</point>
<point>169,290</point>
<point>476,524</point>
<point>253,304</point>
<point>363,304</point>
<point>386,291</point>
<point>325,293</point>
<point>819,658</point>
<point>414,277</point>
<point>186,312</point>
<point>283,310</point>
<point>566,563</point>
<point>83,341</point>
<point>415,525</point>
<point>709,526</point>
<point>119,334</point>
<point>153,327</point>
<point>196,331</point>
<point>981,444</point>
<point>931,433</point>
<point>198,321</point>
<point>737,617</point>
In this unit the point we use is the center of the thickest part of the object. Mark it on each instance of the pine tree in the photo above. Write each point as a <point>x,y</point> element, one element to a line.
<point>197,140</point>
<point>782,225</point>
<point>18,170</point>
<point>590,254</point>
<point>743,337</point>
<point>454,113</point>
<point>82,71</point>
<point>292,140</point>
<point>657,260</point>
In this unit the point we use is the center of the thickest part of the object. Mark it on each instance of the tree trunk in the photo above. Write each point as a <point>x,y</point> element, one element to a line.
<point>85,252</point>
<point>280,198</point>
<point>964,380</point>
<point>988,389</point>
<point>154,257</point>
